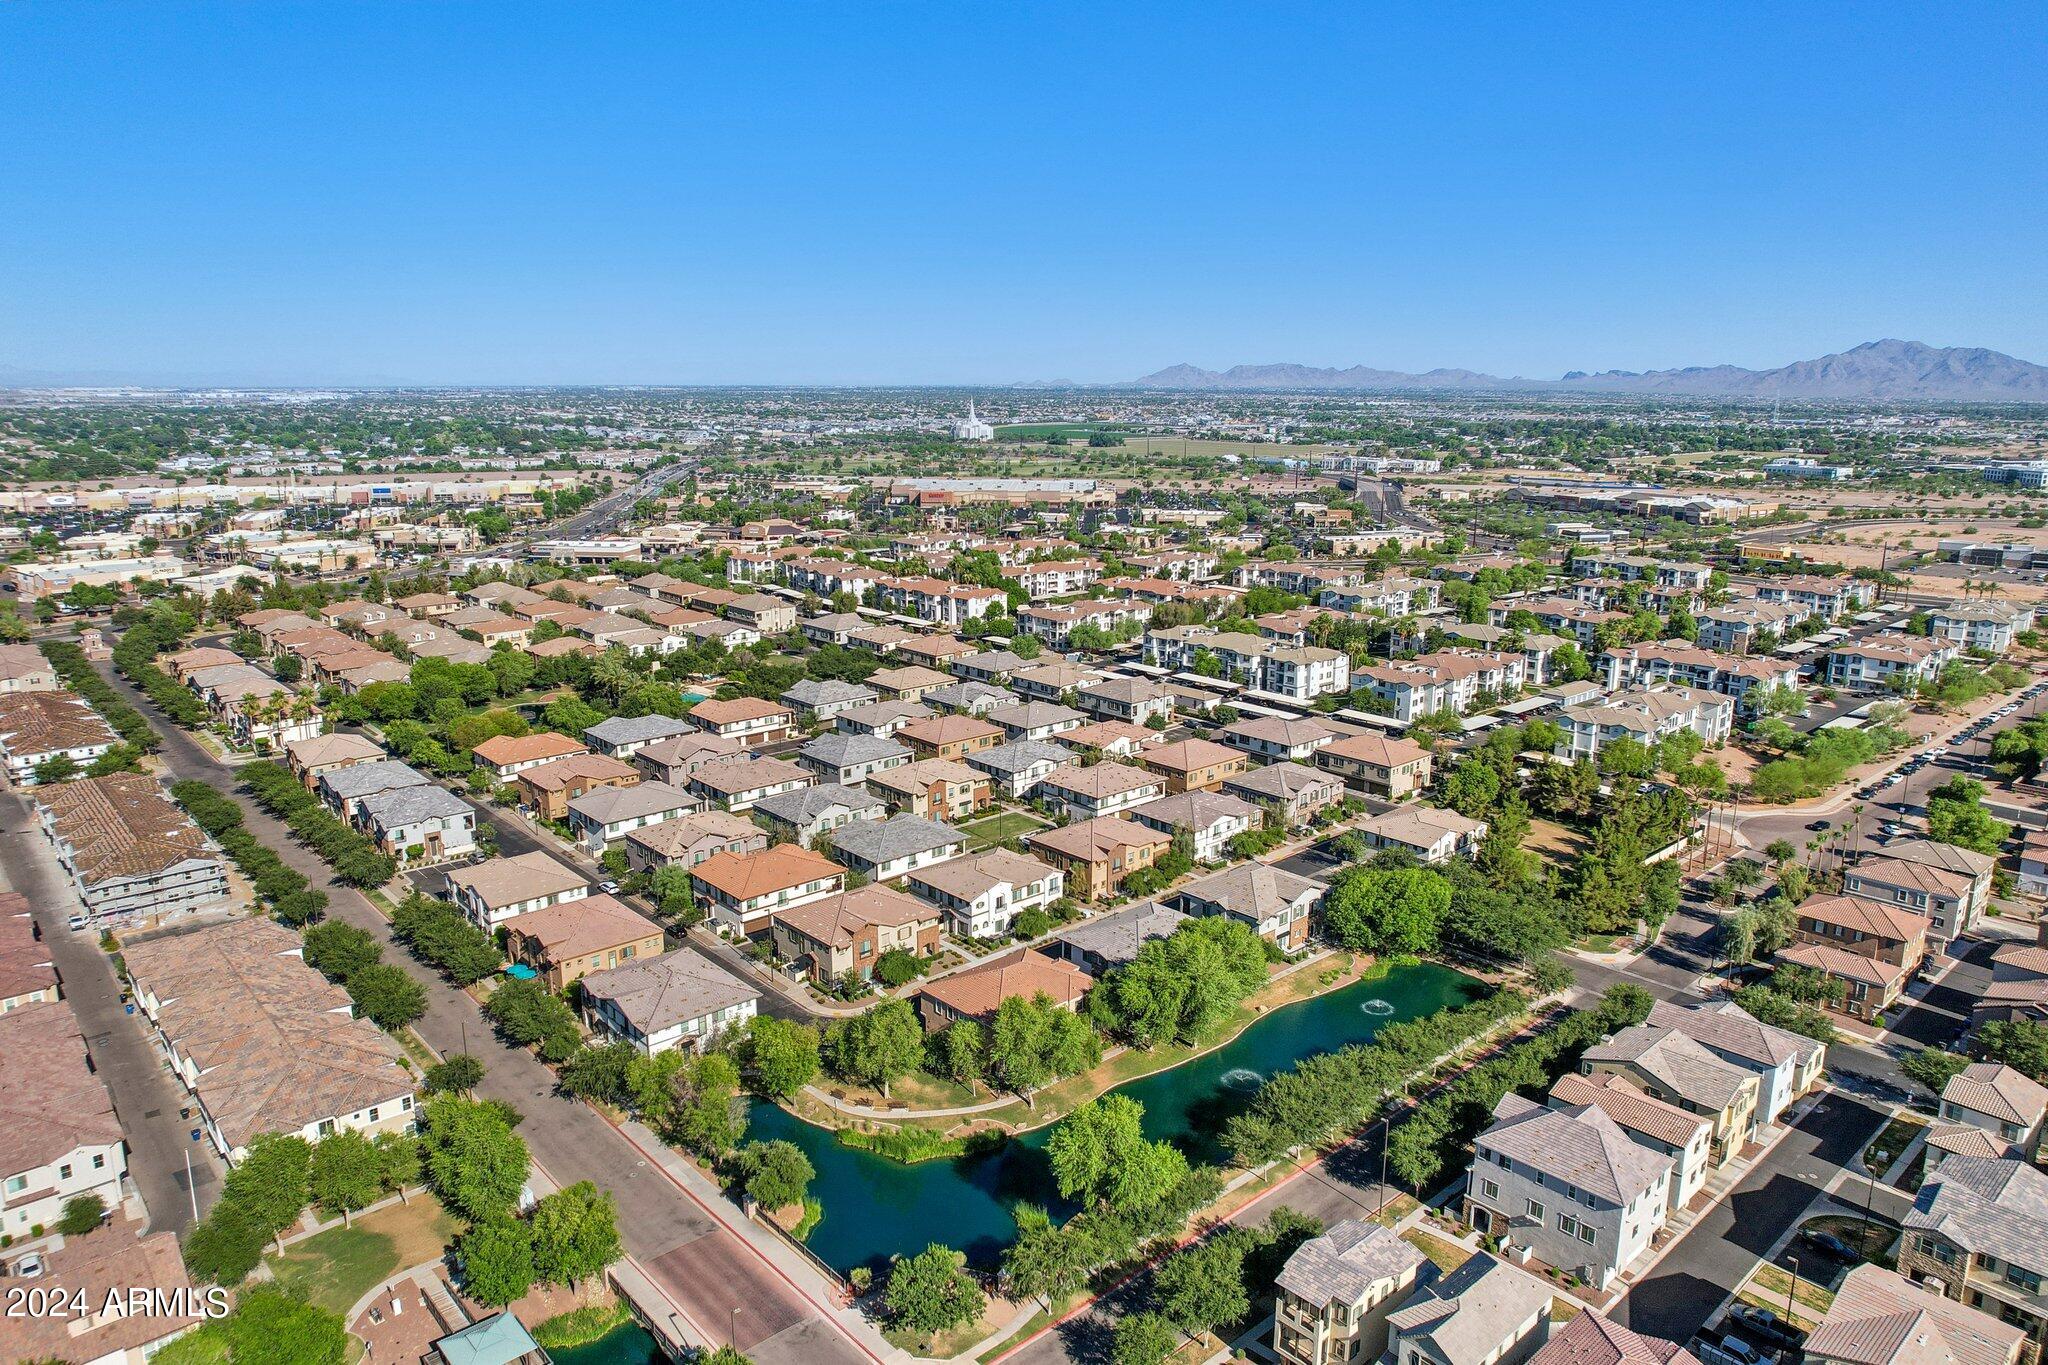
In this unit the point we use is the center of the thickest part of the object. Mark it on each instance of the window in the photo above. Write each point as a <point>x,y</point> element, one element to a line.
<point>2025,1279</point>
<point>1489,1189</point>
<point>99,1161</point>
<point>1535,1210</point>
<point>64,1171</point>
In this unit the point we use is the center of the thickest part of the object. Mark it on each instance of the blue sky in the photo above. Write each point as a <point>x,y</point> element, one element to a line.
<point>702,193</point>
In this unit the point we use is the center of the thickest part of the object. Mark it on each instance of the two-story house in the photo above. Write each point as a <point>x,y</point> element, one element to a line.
<point>1668,1065</point>
<point>501,889</point>
<point>884,850</point>
<point>750,720</point>
<point>1332,1298</point>
<point>847,933</point>
<point>1978,1233</point>
<point>1947,883</point>
<point>742,891</point>
<point>983,893</point>
<point>1378,765</point>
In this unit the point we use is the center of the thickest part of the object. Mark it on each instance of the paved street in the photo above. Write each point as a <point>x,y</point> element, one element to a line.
<point>703,1268</point>
<point>147,1100</point>
<point>1686,1289</point>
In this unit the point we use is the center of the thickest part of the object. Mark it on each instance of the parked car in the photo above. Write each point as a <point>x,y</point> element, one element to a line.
<point>1829,1244</point>
<point>1768,1326</point>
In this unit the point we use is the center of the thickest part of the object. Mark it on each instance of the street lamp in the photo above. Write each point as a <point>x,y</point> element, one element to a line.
<point>732,1326</point>
<point>1791,1289</point>
<point>1386,1139</point>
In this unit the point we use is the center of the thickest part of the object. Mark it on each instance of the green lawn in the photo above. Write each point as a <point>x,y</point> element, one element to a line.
<point>991,830</point>
<point>339,1266</point>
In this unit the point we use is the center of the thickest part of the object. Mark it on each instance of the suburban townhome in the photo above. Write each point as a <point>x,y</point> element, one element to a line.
<point>1668,1065</point>
<point>27,976</point>
<point>846,934</point>
<point>1096,855</point>
<point>1209,819</point>
<point>1978,1233</point>
<point>689,839</point>
<point>1378,765</point>
<point>1135,701</point>
<point>1109,941</point>
<point>1195,764</point>
<point>1053,681</point>
<point>744,783</point>
<point>133,857</point>
<point>571,939</point>
<point>674,759</point>
<point>1787,1065</point>
<point>420,826</point>
<point>658,1004</point>
<point>750,720</point>
<point>598,817</point>
<point>310,758</point>
<point>982,894</point>
<point>881,718</point>
<point>1687,1139</point>
<point>622,737</point>
<point>804,814</point>
<point>1486,1312</point>
<point>345,789</point>
<point>1868,928</point>
<point>883,850</point>
<point>951,736</point>
<point>847,759</point>
<point>1872,985</point>
<point>24,669</point>
<point>1016,769</point>
<point>826,698</point>
<point>1279,739</point>
<point>833,628</point>
<point>59,1138</point>
<point>1948,884</point>
<point>1332,1298</point>
<point>993,666</point>
<point>937,788</point>
<point>548,789</point>
<point>504,756</point>
<point>263,1043</point>
<point>907,683</point>
<point>1296,790</point>
<point>742,890</point>
<point>1568,1187</point>
<point>1431,834</point>
<point>969,698</point>
<point>42,727</point>
<point>1112,739</point>
<point>977,992</point>
<point>1988,1098</point>
<point>1035,720</point>
<point>1103,790</point>
<point>500,889</point>
<point>1879,1317</point>
<point>1277,903</point>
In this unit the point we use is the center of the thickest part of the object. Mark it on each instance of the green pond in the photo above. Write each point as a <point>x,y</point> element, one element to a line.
<point>627,1344</point>
<point>876,1208</point>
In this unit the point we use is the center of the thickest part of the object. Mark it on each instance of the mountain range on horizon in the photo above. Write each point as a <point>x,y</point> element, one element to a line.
<point>1877,371</point>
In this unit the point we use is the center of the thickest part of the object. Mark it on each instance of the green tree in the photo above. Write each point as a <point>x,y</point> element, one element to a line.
<point>1047,1260</point>
<point>1387,911</point>
<point>338,951</point>
<point>575,1234</point>
<point>387,996</point>
<point>270,1181</point>
<point>961,1050</point>
<point>1202,1286</point>
<point>82,1213</point>
<point>774,1174</point>
<point>1035,1040</point>
<point>1099,1153</point>
<point>225,1247</point>
<point>876,1047</point>
<point>458,1072</point>
<point>1143,1339</point>
<point>932,1291</point>
<point>496,1256</point>
<point>347,1173</point>
<point>476,1162</point>
<point>706,1119</point>
<point>1934,1068</point>
<point>2019,1043</point>
<point>782,1054</point>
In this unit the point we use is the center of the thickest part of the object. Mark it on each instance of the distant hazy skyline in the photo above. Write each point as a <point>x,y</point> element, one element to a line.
<point>700,193</point>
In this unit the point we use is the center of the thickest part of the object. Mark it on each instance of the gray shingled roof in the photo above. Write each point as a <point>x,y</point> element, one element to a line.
<point>608,805</point>
<point>1727,1027</point>
<point>409,805</point>
<point>364,778</point>
<point>881,841</point>
<point>1578,1145</point>
<point>1677,1062</point>
<point>1116,938</point>
<point>1281,781</point>
<point>635,729</point>
<point>1999,1208</point>
<point>1251,890</point>
<point>1022,754</point>
<point>843,751</point>
<point>816,692</point>
<point>1467,1315</point>
<point>1344,1264</point>
<point>806,804</point>
<point>661,992</point>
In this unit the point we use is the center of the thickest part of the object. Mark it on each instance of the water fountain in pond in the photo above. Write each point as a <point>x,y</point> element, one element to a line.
<point>1379,1009</point>
<point>1241,1078</point>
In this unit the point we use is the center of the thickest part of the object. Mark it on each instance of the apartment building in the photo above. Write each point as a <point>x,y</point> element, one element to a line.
<point>501,889</point>
<point>932,599</point>
<point>1046,580</point>
<point>1818,598</point>
<point>1557,616</point>
<point>1745,627</point>
<point>1645,715</point>
<point>1988,627</point>
<point>1448,680</point>
<point>1888,661</point>
<point>1568,1187</point>
<point>1626,568</point>
<point>1294,673</point>
<point>741,891</point>
<point>1055,625</point>
<point>133,857</point>
<point>1745,679</point>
